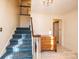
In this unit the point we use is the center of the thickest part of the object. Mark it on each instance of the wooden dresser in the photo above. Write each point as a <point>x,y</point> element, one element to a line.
<point>48,43</point>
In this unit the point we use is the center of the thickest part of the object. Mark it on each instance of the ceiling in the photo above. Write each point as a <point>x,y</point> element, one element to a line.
<point>57,7</point>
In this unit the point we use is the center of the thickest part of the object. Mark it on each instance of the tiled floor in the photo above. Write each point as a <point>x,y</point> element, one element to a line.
<point>60,54</point>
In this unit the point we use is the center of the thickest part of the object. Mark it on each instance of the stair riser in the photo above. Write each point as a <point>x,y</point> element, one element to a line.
<point>17,36</point>
<point>20,35</point>
<point>26,37</point>
<point>13,43</point>
<point>22,32</point>
<point>22,28</point>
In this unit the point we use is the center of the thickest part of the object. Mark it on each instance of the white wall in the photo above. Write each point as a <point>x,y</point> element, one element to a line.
<point>8,21</point>
<point>42,23</point>
<point>24,21</point>
<point>70,22</point>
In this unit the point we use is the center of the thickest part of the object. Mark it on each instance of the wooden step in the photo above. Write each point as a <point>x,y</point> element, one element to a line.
<point>25,14</point>
<point>25,6</point>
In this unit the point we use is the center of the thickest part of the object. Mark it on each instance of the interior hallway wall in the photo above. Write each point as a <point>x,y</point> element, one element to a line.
<point>42,23</point>
<point>25,21</point>
<point>70,31</point>
<point>8,21</point>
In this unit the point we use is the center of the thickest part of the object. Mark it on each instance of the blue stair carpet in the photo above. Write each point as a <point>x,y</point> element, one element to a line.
<point>20,45</point>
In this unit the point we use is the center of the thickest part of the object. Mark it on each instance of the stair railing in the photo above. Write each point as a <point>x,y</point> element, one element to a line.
<point>36,45</point>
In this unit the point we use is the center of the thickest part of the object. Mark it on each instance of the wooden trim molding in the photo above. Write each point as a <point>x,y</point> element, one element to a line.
<point>25,6</point>
<point>36,35</point>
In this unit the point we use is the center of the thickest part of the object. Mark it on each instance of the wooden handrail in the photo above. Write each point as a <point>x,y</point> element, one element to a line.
<point>33,30</point>
<point>36,35</point>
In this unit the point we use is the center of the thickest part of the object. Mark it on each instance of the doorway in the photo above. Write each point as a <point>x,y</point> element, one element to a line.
<point>56,30</point>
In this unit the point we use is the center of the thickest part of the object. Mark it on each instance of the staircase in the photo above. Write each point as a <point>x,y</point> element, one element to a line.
<point>20,45</point>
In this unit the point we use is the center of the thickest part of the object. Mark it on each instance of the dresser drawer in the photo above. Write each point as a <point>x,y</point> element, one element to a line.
<point>48,43</point>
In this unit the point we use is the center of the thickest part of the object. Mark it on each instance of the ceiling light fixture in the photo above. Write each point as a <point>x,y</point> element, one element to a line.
<point>47,2</point>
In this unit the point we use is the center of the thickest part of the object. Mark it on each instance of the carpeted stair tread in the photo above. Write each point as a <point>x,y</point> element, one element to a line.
<point>25,46</point>
<point>26,43</point>
<point>21,53</point>
<point>15,40</point>
<point>20,45</point>
<point>22,32</point>
<point>27,49</point>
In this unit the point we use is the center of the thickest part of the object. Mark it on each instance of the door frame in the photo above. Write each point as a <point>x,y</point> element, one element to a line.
<point>56,22</point>
<point>60,30</point>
